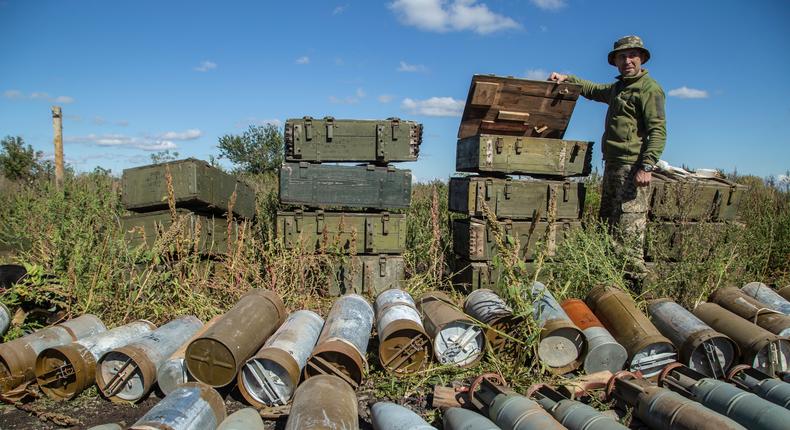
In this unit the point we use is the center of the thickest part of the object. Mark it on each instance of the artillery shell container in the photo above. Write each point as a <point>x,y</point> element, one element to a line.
<point>243,419</point>
<point>699,347</point>
<point>128,373</point>
<point>743,407</point>
<point>456,339</point>
<point>648,350</point>
<point>771,389</point>
<point>765,294</point>
<point>784,292</point>
<point>323,402</point>
<point>216,357</point>
<point>390,416</point>
<point>603,351</point>
<point>512,411</point>
<point>191,406</point>
<point>270,377</point>
<point>62,372</point>
<point>747,307</point>
<point>5,319</point>
<point>173,372</point>
<point>659,408</point>
<point>18,357</point>
<point>760,348</point>
<point>572,414</point>
<point>404,347</point>
<point>487,307</point>
<point>562,344</point>
<point>343,342</point>
<point>464,419</point>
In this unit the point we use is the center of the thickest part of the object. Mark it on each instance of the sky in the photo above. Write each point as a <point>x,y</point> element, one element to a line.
<point>134,78</point>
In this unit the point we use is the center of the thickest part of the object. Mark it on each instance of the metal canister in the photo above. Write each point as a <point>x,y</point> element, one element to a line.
<point>128,373</point>
<point>404,347</point>
<point>603,351</point>
<point>18,357</point>
<point>108,426</point>
<point>700,347</point>
<point>659,408</point>
<point>455,338</point>
<point>648,350</point>
<point>272,374</point>
<point>390,416</point>
<point>487,307</point>
<point>243,419</point>
<point>760,348</point>
<point>216,357</point>
<point>62,372</point>
<point>738,302</point>
<point>5,319</point>
<point>343,341</point>
<point>562,344</point>
<point>464,419</point>
<point>191,406</point>
<point>743,407</point>
<point>323,402</point>
<point>771,389</point>
<point>509,410</point>
<point>173,372</point>
<point>768,296</point>
<point>784,292</point>
<point>572,414</point>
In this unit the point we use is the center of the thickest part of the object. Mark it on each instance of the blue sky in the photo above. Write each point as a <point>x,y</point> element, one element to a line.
<point>137,77</point>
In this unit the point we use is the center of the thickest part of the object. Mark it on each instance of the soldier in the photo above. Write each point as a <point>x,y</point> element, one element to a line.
<point>632,143</point>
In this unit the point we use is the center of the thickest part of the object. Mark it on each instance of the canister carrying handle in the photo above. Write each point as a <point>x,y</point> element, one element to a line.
<point>115,384</point>
<point>415,345</point>
<point>324,367</point>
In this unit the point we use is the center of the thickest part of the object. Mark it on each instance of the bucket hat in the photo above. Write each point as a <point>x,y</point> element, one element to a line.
<point>628,42</point>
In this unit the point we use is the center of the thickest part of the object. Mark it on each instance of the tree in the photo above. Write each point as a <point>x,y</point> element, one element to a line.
<point>19,161</point>
<point>164,156</point>
<point>257,150</point>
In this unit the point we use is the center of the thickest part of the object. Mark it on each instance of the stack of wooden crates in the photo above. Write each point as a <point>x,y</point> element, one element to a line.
<point>511,127</point>
<point>203,197</point>
<point>349,210</point>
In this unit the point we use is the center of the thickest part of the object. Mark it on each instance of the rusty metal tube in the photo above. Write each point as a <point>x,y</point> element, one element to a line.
<point>456,339</point>
<point>743,407</point>
<point>765,294</point>
<point>561,344</point>
<point>464,419</point>
<point>390,416</point>
<point>62,372</point>
<point>216,357</point>
<point>749,308</point>
<point>272,374</point>
<point>243,419</point>
<point>648,350</point>
<point>404,346</point>
<point>784,292</point>
<point>572,414</point>
<point>659,408</point>
<point>5,319</point>
<point>18,357</point>
<point>771,389</point>
<point>343,342</point>
<point>128,373</point>
<point>760,348</point>
<point>323,402</point>
<point>191,406</point>
<point>603,351</point>
<point>699,347</point>
<point>487,307</point>
<point>173,372</point>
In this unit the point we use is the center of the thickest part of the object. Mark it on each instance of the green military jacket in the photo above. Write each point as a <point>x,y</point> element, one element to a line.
<point>635,129</point>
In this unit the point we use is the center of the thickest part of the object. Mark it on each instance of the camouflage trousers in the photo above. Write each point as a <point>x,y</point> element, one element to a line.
<point>624,209</point>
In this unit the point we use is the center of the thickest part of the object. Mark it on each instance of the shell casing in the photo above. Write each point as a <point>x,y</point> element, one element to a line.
<point>562,344</point>
<point>771,389</point>
<point>404,346</point>
<point>173,372</point>
<point>738,302</point>
<point>603,351</point>
<point>486,306</point>
<point>243,419</point>
<point>323,402</point>
<point>5,319</point>
<point>464,419</point>
<point>784,292</point>
<point>456,339</point>
<point>572,414</point>
<point>191,406</point>
<point>765,294</point>
<point>391,416</point>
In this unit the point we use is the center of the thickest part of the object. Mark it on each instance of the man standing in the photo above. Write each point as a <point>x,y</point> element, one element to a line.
<point>632,143</point>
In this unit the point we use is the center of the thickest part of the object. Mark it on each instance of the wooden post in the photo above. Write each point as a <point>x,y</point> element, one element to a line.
<point>57,125</point>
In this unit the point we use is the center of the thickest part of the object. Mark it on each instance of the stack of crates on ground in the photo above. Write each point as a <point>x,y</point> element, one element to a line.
<point>208,205</point>
<point>371,237</point>
<point>512,127</point>
<point>691,213</point>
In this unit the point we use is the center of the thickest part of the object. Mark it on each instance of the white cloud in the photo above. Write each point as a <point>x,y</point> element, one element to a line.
<point>191,134</point>
<point>550,4</point>
<point>406,67</point>
<point>120,140</point>
<point>359,94</point>
<point>339,9</point>
<point>97,120</point>
<point>685,92</point>
<point>454,15</point>
<point>205,66</point>
<point>63,99</point>
<point>13,94</point>
<point>434,106</point>
<point>385,98</point>
<point>39,95</point>
<point>536,74</point>
<point>303,60</point>
<point>75,118</point>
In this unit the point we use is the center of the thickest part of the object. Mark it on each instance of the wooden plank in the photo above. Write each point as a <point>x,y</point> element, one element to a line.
<point>449,397</point>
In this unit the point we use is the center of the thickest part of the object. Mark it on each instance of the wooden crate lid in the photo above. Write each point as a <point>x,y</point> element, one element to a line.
<point>517,107</point>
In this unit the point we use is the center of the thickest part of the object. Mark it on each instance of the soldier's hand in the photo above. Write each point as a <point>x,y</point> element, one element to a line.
<point>642,178</point>
<point>557,77</point>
